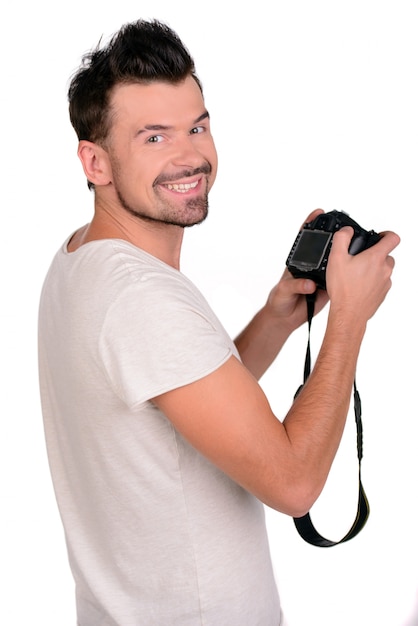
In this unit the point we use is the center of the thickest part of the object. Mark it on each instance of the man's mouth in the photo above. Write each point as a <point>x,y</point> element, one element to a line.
<point>181,187</point>
<point>195,177</point>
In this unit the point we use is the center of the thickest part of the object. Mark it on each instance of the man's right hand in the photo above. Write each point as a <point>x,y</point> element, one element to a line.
<point>359,283</point>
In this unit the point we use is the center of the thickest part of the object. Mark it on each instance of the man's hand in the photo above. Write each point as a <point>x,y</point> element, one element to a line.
<point>285,310</point>
<point>287,299</point>
<point>358,284</point>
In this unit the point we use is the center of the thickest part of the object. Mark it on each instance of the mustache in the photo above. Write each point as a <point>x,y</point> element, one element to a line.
<point>163,179</point>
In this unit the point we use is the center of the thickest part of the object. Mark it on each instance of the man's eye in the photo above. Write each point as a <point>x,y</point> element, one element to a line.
<point>197,129</point>
<point>155,139</point>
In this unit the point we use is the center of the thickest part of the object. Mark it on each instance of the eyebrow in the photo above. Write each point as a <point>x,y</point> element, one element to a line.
<point>157,127</point>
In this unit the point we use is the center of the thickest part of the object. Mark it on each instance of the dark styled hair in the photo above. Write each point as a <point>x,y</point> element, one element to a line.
<point>140,52</point>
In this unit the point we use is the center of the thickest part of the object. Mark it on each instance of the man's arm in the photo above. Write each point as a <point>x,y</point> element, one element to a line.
<point>285,310</point>
<point>227,417</point>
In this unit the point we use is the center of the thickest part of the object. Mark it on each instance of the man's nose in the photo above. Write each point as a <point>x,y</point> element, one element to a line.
<point>186,153</point>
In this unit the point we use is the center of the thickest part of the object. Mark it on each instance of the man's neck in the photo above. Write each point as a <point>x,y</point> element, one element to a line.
<point>158,239</point>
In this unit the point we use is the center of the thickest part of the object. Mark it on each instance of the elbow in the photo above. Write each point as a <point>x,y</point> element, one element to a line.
<point>297,501</point>
<point>300,507</point>
<point>303,489</point>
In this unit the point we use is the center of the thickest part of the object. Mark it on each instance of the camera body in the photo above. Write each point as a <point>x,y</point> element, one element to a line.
<point>308,257</point>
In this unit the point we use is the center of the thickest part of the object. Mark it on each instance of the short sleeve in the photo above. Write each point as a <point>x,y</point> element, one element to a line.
<point>160,334</point>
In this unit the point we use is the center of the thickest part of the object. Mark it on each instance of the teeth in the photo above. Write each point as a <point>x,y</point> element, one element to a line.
<point>182,187</point>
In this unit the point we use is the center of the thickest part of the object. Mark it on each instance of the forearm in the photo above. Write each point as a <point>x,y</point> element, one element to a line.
<point>261,341</point>
<point>285,310</point>
<point>315,422</point>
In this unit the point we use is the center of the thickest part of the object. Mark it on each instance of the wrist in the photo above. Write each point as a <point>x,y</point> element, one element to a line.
<point>347,322</point>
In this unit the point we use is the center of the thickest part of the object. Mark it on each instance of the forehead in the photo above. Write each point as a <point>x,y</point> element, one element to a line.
<point>156,103</point>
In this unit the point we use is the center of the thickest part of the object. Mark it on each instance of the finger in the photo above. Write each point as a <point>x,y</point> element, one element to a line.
<point>312,216</point>
<point>389,240</point>
<point>291,285</point>
<point>342,238</point>
<point>298,285</point>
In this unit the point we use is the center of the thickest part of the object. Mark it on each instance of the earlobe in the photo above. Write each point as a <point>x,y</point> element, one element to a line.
<point>95,162</point>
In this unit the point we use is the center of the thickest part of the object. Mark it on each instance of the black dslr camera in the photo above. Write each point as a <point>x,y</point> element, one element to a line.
<point>308,257</point>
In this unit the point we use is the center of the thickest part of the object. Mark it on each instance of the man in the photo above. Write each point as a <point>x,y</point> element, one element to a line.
<point>162,445</point>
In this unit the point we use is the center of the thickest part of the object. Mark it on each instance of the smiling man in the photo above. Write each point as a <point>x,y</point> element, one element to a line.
<point>162,445</point>
<point>156,165</point>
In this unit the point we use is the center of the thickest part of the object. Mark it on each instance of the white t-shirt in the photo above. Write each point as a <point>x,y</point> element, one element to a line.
<point>156,534</point>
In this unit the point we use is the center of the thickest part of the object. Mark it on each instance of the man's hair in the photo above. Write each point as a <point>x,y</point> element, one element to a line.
<point>140,52</point>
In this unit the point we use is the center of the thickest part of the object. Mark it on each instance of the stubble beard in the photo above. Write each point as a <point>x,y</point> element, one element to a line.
<point>189,212</point>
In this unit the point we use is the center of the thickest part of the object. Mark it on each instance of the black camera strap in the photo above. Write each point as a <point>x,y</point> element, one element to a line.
<point>304,524</point>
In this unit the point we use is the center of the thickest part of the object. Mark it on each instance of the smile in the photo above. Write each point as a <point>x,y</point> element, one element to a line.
<point>182,187</point>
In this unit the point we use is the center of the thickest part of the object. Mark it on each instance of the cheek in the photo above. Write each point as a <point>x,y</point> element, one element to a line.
<point>141,173</point>
<point>214,162</point>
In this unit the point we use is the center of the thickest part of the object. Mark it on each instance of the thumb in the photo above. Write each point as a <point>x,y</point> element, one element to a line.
<point>342,238</point>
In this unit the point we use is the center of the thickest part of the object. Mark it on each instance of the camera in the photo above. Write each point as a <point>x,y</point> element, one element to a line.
<point>308,257</point>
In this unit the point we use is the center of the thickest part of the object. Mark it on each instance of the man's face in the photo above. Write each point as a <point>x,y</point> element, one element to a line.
<point>161,151</point>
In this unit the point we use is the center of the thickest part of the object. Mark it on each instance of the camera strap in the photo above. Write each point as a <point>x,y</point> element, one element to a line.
<point>304,524</point>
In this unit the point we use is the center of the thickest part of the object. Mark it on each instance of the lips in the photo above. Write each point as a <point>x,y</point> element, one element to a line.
<point>181,187</point>
<point>194,176</point>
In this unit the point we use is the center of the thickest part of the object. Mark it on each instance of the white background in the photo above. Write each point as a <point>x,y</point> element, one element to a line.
<point>313,104</point>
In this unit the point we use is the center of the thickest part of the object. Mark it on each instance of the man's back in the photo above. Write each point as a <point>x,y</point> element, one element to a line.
<point>156,533</point>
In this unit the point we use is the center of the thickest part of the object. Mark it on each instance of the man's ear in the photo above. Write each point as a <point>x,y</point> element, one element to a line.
<point>95,161</point>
